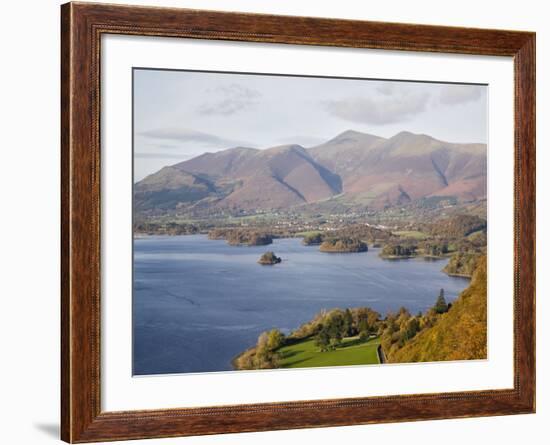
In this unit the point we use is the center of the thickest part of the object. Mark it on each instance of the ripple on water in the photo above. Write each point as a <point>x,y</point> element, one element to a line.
<point>198,302</point>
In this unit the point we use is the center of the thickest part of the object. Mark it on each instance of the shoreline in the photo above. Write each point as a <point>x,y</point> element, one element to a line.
<point>398,257</point>
<point>292,243</point>
<point>414,257</point>
<point>459,275</point>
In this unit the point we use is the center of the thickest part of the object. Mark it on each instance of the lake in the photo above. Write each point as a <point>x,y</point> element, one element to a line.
<point>197,303</point>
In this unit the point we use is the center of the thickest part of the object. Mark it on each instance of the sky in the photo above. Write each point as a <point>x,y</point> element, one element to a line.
<point>181,114</point>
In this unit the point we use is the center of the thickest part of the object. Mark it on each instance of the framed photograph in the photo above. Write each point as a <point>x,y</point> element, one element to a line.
<point>275,222</point>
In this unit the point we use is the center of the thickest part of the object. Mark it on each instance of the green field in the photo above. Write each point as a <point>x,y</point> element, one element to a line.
<point>307,233</point>
<point>352,351</point>
<point>411,234</point>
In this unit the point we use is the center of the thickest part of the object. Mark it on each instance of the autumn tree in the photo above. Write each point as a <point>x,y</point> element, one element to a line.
<point>266,356</point>
<point>275,339</point>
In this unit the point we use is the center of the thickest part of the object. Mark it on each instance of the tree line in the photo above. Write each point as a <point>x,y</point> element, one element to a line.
<point>329,328</point>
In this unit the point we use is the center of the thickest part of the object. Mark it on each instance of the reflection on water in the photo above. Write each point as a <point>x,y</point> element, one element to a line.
<point>198,302</point>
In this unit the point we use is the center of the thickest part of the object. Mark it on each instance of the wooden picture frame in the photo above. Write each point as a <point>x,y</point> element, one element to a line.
<point>82,26</point>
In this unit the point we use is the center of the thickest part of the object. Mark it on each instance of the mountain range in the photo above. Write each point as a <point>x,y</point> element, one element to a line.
<point>354,169</point>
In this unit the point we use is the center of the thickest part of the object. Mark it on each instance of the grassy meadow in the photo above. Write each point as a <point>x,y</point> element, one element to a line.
<point>415,234</point>
<point>352,351</point>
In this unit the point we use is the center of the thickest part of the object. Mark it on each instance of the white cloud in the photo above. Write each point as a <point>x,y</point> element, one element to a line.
<point>229,99</point>
<point>396,105</point>
<point>185,135</point>
<point>386,88</point>
<point>459,94</point>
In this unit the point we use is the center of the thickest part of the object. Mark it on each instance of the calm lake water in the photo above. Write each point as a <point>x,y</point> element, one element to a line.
<point>198,302</point>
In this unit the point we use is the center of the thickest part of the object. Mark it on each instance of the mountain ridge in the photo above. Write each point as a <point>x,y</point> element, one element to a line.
<point>361,169</point>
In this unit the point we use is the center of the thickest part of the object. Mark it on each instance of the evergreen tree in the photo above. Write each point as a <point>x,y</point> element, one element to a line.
<point>335,327</point>
<point>441,305</point>
<point>348,323</point>
<point>412,327</point>
<point>323,339</point>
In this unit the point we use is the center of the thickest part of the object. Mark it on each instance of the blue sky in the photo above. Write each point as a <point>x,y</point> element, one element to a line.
<point>179,115</point>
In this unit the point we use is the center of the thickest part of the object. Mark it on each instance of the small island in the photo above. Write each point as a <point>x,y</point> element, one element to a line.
<point>313,238</point>
<point>269,259</point>
<point>395,251</point>
<point>241,237</point>
<point>343,245</point>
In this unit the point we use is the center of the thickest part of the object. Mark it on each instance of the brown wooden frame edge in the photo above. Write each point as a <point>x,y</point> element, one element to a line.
<point>82,25</point>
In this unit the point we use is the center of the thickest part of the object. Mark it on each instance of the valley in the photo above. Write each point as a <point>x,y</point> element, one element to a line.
<point>356,208</point>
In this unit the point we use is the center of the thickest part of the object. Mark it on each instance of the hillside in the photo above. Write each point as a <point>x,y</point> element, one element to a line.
<point>281,177</point>
<point>405,167</point>
<point>460,334</point>
<point>351,170</point>
<point>170,187</point>
<point>343,153</point>
<point>462,264</point>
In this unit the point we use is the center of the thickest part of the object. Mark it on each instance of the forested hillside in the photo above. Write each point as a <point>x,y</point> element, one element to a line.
<point>459,334</point>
